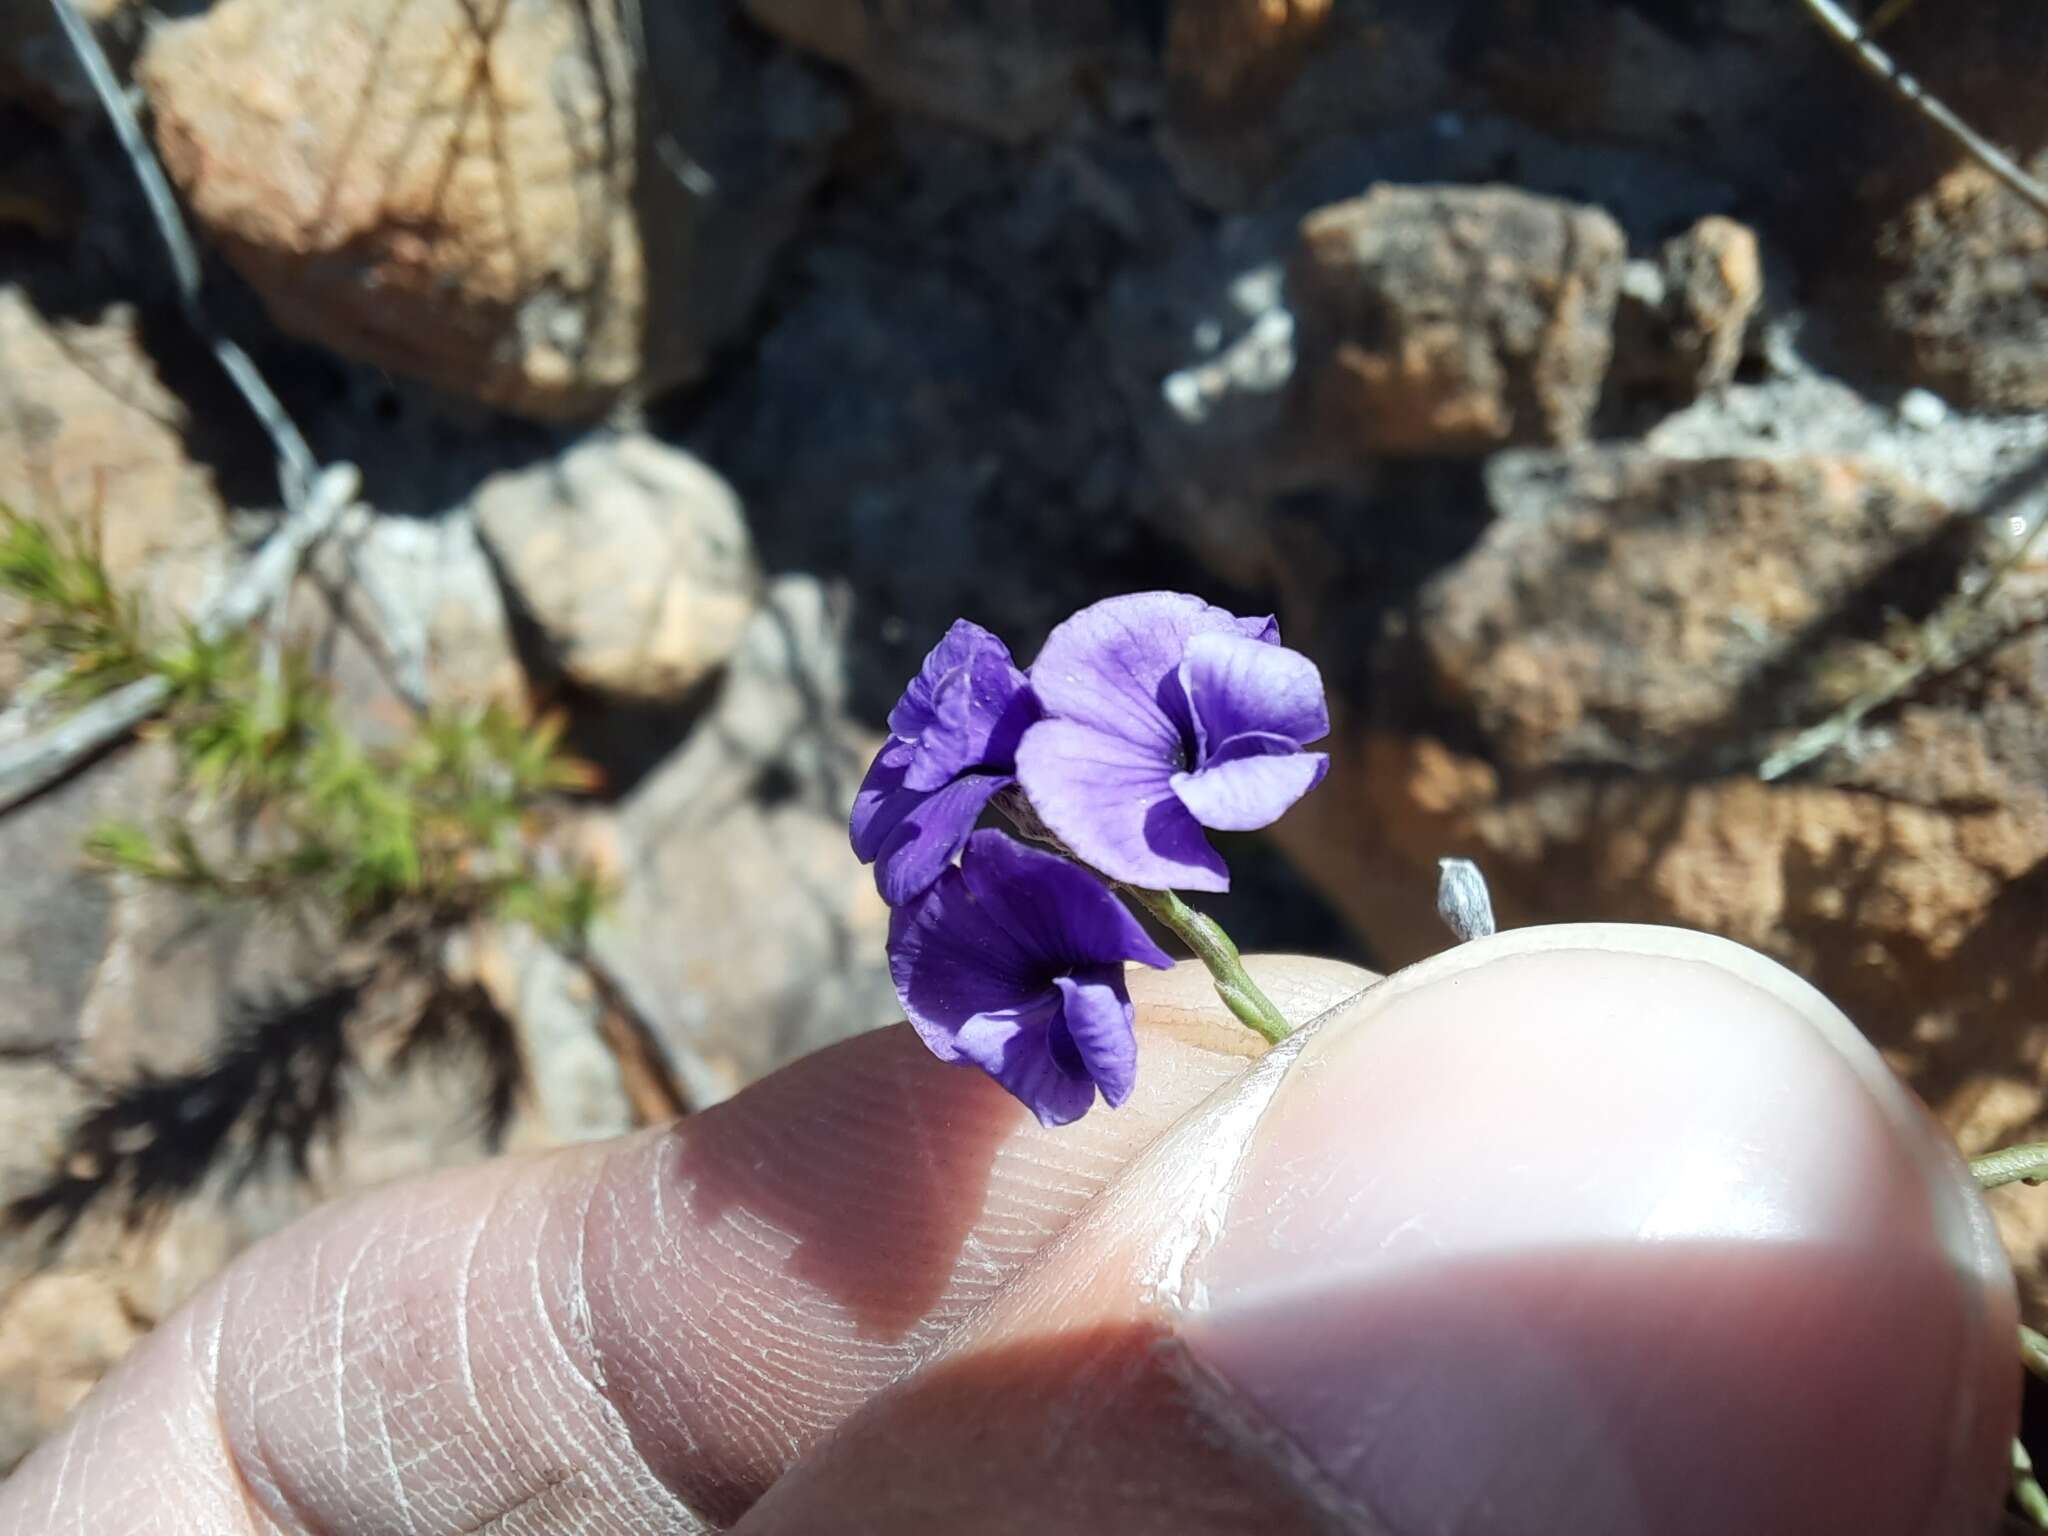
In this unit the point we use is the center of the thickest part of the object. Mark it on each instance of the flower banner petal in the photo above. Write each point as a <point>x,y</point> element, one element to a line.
<point>1097,1014</point>
<point>929,832</point>
<point>1235,685</point>
<point>1110,800</point>
<point>1252,787</point>
<point>1111,666</point>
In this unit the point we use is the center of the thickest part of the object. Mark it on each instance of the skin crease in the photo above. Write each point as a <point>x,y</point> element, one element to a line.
<point>872,1294</point>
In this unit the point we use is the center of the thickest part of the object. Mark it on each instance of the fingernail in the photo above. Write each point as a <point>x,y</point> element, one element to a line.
<point>1564,1230</point>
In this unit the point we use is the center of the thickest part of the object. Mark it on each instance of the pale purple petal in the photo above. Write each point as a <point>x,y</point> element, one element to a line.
<point>1115,666</point>
<point>952,963</point>
<point>1250,782</point>
<point>964,710</point>
<point>1111,801</point>
<point>1265,630</point>
<point>929,831</point>
<point>1097,1016</point>
<point>1063,916</point>
<point>880,802</point>
<point>1238,685</point>
<point>1017,1051</point>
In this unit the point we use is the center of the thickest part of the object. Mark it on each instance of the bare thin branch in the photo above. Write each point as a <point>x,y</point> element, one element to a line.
<point>295,459</point>
<point>1847,32</point>
<point>297,469</point>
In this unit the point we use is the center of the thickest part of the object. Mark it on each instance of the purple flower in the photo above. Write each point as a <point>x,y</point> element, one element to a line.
<point>1014,963</point>
<point>1164,716</point>
<point>952,745</point>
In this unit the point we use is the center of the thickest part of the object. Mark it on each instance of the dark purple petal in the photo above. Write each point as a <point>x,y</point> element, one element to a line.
<point>952,962</point>
<point>1111,801</point>
<point>1250,782</point>
<point>1017,1051</point>
<point>1110,666</point>
<point>1096,1014</point>
<point>880,802</point>
<point>1062,916</point>
<point>929,831</point>
<point>961,712</point>
<point>1237,685</point>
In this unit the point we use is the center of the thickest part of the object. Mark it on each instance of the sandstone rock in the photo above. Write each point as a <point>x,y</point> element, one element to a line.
<point>91,441</point>
<point>1967,299</point>
<point>1011,70</point>
<point>1453,320</point>
<point>744,932</point>
<point>1626,609</point>
<point>631,557</point>
<point>479,196</point>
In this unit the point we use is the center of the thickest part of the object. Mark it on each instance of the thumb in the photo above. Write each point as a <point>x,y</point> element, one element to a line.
<point>1598,1229</point>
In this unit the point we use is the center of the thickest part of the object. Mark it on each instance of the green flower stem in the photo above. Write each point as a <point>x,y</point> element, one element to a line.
<point>2026,1491</point>
<point>2026,1164</point>
<point>2034,1351</point>
<point>1212,946</point>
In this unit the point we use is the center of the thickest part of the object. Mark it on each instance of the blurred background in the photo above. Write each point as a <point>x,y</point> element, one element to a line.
<point>1638,412</point>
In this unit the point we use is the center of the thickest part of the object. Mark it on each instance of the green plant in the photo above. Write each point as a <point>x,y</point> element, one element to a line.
<point>385,849</point>
<point>427,832</point>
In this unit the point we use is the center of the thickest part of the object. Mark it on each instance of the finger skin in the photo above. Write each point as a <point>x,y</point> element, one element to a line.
<point>1615,1231</point>
<point>633,1337</point>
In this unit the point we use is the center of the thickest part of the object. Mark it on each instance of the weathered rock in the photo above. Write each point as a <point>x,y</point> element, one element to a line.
<point>1580,700</point>
<point>1011,70</point>
<point>491,206</point>
<point>631,557</point>
<point>67,1317</point>
<point>91,442</point>
<point>1626,610</point>
<point>744,932</point>
<point>436,575</point>
<point>1967,300</point>
<point>1453,320</point>
<point>1682,319</point>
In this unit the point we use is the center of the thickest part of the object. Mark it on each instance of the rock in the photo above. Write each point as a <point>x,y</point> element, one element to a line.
<point>1966,301</point>
<point>496,211</point>
<point>1683,320</point>
<point>579,1092</point>
<point>1012,71</point>
<point>435,573</point>
<point>1453,320</point>
<point>1236,55</point>
<point>92,442</point>
<point>1579,702</point>
<point>631,557</point>
<point>744,931</point>
<point>1607,619</point>
<point>69,1315</point>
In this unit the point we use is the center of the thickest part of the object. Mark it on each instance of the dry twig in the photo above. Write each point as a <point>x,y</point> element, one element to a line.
<point>1847,32</point>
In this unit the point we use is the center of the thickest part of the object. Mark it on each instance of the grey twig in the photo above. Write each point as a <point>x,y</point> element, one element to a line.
<point>31,761</point>
<point>297,469</point>
<point>1847,32</point>
<point>295,459</point>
